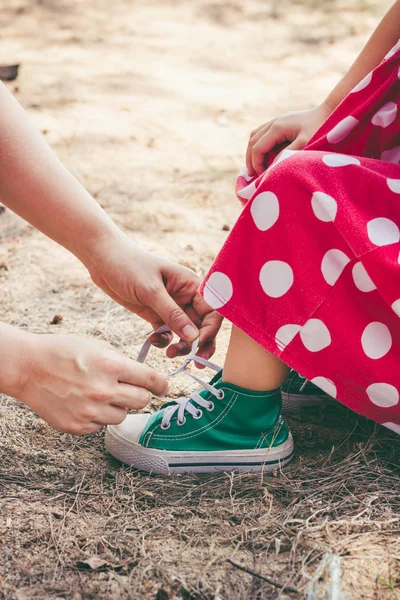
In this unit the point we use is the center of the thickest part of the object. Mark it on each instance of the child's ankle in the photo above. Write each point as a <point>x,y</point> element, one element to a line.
<point>260,382</point>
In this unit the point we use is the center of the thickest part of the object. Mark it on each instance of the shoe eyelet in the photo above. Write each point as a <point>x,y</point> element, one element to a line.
<point>221,394</point>
<point>198,415</point>
<point>165,427</point>
<point>210,406</point>
<point>181,423</point>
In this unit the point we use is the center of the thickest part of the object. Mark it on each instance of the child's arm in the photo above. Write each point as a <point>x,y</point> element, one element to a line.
<point>34,184</point>
<point>382,40</point>
<point>299,127</point>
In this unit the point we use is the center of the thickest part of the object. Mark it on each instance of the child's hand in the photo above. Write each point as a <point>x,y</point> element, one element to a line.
<point>79,385</point>
<point>296,127</point>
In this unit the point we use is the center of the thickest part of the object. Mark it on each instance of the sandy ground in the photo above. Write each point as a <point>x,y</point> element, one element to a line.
<point>150,104</point>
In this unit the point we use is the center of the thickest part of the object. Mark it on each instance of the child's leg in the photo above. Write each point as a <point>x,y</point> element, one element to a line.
<point>248,365</point>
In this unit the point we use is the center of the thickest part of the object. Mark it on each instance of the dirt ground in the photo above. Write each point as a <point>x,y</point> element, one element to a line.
<point>150,104</point>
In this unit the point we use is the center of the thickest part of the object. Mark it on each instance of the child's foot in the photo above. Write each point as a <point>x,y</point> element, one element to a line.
<point>299,393</point>
<point>222,427</point>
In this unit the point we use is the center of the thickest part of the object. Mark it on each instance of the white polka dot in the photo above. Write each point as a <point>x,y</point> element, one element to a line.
<point>342,130</point>
<point>332,265</point>
<point>324,206</point>
<point>325,384</point>
<point>285,335</point>
<point>363,83</point>
<point>394,185</point>
<point>276,278</point>
<point>376,340</point>
<point>315,335</point>
<point>385,115</point>
<point>392,155</point>
<point>361,278</point>
<point>340,160</point>
<point>265,210</point>
<point>383,394</point>
<point>245,174</point>
<point>393,51</point>
<point>218,290</point>
<point>393,426</point>
<point>247,192</point>
<point>382,232</point>
<point>396,307</point>
<point>284,154</point>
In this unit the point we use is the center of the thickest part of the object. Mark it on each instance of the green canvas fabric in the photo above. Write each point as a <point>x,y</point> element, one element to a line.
<point>241,420</point>
<point>294,386</point>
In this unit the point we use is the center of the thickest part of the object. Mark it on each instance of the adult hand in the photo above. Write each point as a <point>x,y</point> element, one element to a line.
<point>78,385</point>
<point>157,290</point>
<point>295,127</point>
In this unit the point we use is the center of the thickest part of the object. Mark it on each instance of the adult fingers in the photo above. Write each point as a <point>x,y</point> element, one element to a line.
<point>208,331</point>
<point>210,327</point>
<point>174,316</point>
<point>180,348</point>
<point>111,415</point>
<point>131,396</point>
<point>206,351</point>
<point>142,376</point>
<point>81,428</point>
<point>161,340</point>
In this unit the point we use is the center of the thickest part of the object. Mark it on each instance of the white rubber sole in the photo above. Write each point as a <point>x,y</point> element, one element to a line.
<point>165,461</point>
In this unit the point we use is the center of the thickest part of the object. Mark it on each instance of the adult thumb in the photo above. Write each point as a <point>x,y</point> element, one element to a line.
<point>176,318</point>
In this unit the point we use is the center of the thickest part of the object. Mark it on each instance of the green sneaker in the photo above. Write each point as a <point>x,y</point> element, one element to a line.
<point>221,427</point>
<point>298,393</point>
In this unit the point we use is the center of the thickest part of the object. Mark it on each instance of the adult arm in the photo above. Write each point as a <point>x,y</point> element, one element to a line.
<point>36,185</point>
<point>76,385</point>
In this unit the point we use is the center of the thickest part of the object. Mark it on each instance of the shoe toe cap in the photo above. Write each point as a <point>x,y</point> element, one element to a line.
<point>131,428</point>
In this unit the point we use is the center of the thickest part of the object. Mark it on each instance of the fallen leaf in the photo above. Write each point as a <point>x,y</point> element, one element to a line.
<point>147,493</point>
<point>93,562</point>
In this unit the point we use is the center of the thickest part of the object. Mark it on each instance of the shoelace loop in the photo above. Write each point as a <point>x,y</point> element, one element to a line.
<point>184,404</point>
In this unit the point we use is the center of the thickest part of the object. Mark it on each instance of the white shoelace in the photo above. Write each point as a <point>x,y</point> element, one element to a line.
<point>185,404</point>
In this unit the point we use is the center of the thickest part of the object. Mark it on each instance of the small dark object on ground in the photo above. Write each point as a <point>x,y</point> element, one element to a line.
<point>9,72</point>
<point>226,228</point>
<point>56,320</point>
<point>276,584</point>
<point>2,209</point>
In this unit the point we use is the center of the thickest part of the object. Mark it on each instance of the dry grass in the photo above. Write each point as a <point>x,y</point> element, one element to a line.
<point>106,88</point>
<point>64,501</point>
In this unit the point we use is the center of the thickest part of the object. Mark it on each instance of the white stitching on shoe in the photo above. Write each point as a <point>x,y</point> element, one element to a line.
<point>186,436</point>
<point>185,404</point>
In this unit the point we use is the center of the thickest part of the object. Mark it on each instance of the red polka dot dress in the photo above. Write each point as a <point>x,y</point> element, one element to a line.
<point>311,270</point>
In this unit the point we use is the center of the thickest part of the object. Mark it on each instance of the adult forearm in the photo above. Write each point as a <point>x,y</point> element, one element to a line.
<point>35,185</point>
<point>14,344</point>
<point>382,40</point>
